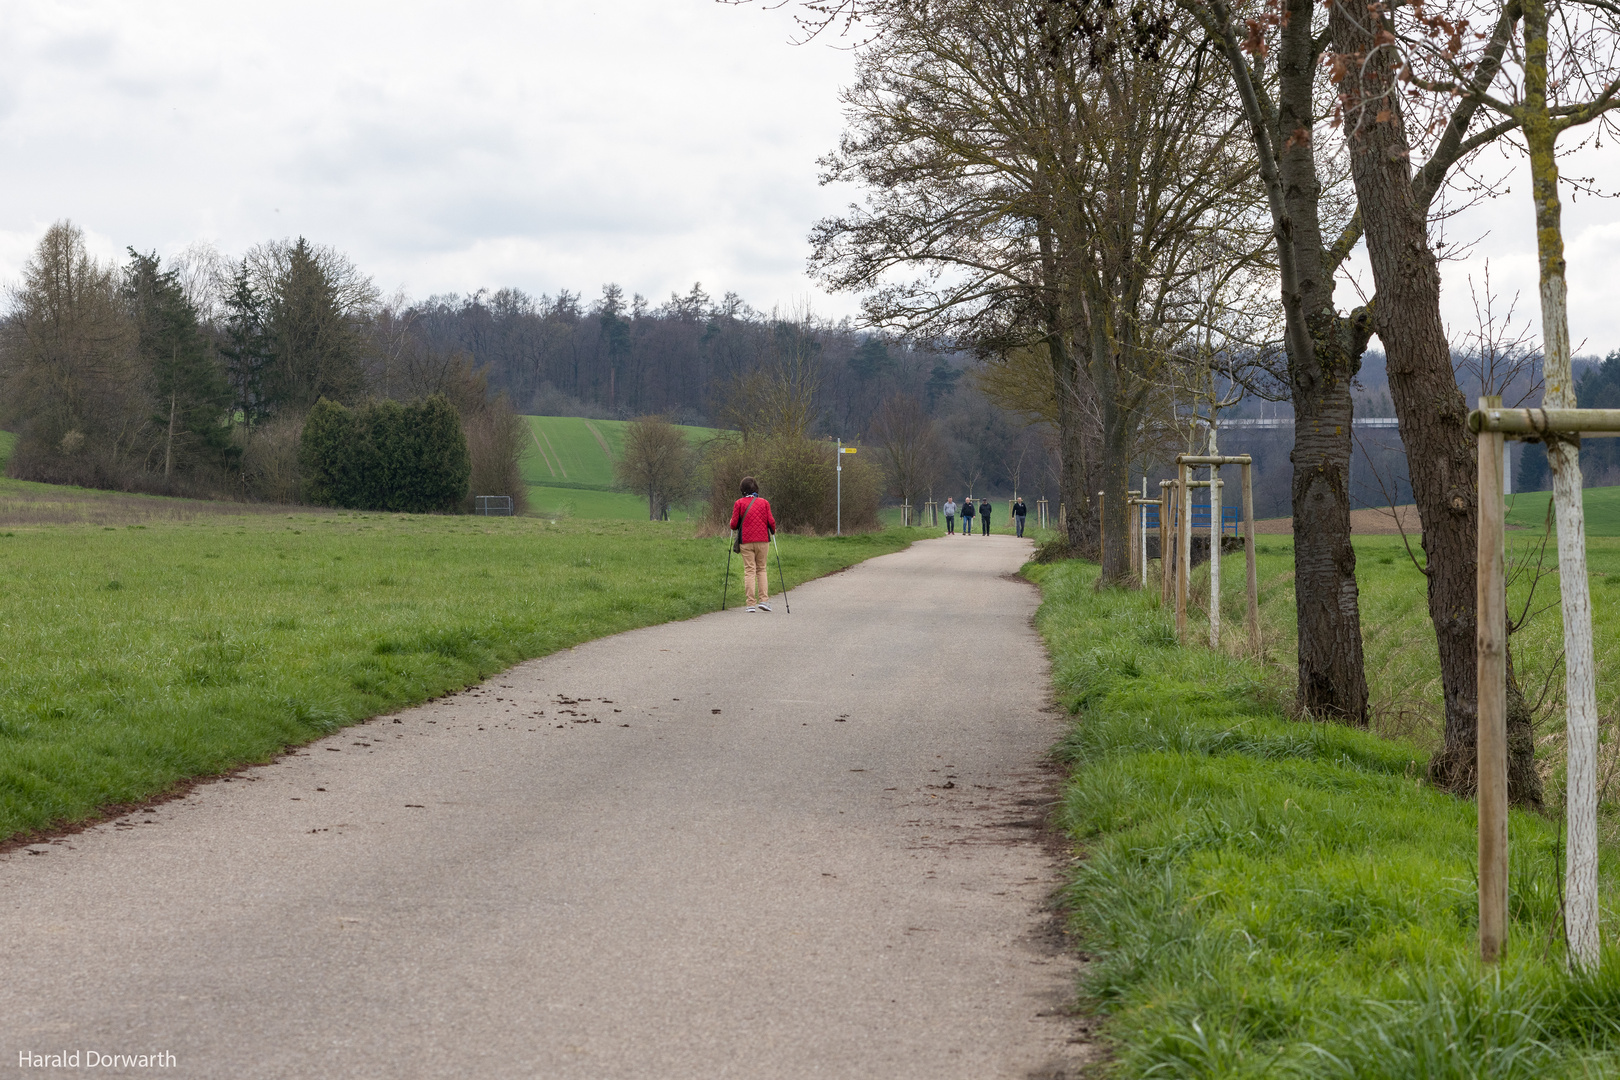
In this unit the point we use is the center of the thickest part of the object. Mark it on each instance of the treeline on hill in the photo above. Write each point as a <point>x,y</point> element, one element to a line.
<point>696,360</point>
<point>197,378</point>
<point>1597,387</point>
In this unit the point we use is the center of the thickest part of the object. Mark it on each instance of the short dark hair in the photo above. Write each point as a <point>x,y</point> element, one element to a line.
<point>750,486</point>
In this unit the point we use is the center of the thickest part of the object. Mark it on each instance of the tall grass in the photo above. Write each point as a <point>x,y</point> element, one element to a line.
<point>1265,897</point>
<point>135,656</point>
<point>1403,667</point>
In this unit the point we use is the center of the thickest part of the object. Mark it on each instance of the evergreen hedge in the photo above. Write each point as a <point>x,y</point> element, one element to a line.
<point>385,456</point>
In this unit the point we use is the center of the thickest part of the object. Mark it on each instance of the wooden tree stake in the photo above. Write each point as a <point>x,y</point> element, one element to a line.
<point>1183,551</point>
<point>1249,553</point>
<point>1491,621</point>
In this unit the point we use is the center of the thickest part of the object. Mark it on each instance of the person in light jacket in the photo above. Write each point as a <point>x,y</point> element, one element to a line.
<point>752,521</point>
<point>950,516</point>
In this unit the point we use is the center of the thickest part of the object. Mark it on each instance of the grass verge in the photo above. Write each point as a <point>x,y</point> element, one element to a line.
<point>1262,897</point>
<point>133,658</point>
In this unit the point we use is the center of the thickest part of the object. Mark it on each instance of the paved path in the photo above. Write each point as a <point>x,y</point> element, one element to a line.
<point>762,846</point>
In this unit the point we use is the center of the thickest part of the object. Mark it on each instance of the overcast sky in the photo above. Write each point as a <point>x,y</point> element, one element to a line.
<point>546,145</point>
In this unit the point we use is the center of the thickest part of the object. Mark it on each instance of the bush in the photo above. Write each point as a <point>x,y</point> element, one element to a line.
<point>385,456</point>
<point>270,458</point>
<point>797,476</point>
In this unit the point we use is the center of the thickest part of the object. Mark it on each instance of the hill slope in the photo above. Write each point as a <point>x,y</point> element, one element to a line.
<point>569,467</point>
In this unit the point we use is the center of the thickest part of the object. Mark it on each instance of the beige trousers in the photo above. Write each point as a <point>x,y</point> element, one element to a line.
<point>754,558</point>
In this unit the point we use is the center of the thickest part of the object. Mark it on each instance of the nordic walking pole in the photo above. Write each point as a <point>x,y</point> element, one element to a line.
<point>781,576</point>
<point>727,588</point>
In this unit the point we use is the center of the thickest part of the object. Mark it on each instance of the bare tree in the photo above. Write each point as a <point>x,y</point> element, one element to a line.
<point>1052,183</point>
<point>71,378</point>
<point>658,460</point>
<point>1562,73</point>
<point>913,454</point>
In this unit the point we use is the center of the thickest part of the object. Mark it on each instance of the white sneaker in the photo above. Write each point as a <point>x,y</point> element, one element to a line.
<point>753,609</point>
<point>764,606</point>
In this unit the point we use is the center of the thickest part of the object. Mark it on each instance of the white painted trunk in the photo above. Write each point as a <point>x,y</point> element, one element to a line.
<point>1580,671</point>
<point>1580,695</point>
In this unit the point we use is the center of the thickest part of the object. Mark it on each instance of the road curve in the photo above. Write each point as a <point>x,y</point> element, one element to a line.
<point>762,846</point>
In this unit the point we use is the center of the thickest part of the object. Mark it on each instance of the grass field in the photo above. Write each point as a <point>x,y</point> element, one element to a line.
<point>569,468</point>
<point>134,656</point>
<point>1262,897</point>
<point>1528,510</point>
<point>1401,659</point>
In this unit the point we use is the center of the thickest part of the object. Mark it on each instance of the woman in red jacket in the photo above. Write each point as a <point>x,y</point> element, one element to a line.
<point>752,521</point>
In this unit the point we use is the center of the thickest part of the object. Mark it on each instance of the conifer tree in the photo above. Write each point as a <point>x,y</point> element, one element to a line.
<point>187,387</point>
<point>245,349</point>
<point>316,346</point>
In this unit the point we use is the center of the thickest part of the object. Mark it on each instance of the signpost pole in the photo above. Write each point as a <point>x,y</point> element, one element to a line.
<point>838,460</point>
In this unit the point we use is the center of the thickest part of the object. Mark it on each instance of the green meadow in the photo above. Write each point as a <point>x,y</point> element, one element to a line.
<point>1528,510</point>
<point>137,651</point>
<point>1403,667</point>
<point>569,468</point>
<point>1264,897</point>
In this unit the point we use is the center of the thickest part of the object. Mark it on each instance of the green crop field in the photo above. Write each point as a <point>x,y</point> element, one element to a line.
<point>567,451</point>
<point>569,468</point>
<point>1528,510</point>
<point>154,640</point>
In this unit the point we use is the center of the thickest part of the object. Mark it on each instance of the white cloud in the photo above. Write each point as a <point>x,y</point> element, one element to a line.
<point>1501,231</point>
<point>448,147</point>
<point>444,147</point>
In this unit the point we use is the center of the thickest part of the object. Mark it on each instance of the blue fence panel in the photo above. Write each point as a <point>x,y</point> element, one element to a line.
<point>1230,518</point>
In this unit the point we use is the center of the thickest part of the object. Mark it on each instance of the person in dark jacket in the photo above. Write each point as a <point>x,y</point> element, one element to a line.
<point>752,521</point>
<point>984,516</point>
<point>967,516</point>
<point>1019,512</point>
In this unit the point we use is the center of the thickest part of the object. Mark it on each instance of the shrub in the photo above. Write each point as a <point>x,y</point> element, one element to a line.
<point>385,456</point>
<point>270,451</point>
<point>797,476</point>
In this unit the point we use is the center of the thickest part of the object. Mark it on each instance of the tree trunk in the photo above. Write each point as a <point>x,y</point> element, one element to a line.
<point>1324,353</point>
<point>1114,479</point>
<point>1073,480</point>
<point>1332,681</point>
<point>1580,689</point>
<point>1113,469</point>
<point>1440,451</point>
<point>168,447</point>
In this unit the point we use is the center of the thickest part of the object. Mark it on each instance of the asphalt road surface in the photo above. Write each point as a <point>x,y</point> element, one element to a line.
<point>748,845</point>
